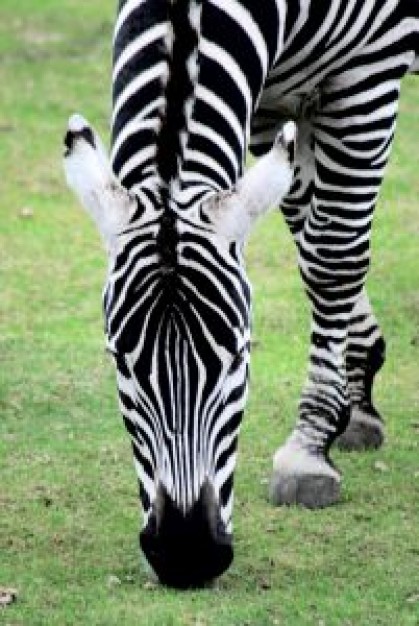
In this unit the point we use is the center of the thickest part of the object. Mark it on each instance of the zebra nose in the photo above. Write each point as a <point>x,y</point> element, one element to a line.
<point>189,549</point>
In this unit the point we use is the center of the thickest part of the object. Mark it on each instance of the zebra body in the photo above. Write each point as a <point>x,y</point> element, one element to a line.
<point>194,85</point>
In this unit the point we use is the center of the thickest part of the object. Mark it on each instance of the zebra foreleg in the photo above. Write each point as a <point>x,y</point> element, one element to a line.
<point>301,478</point>
<point>366,346</point>
<point>301,475</point>
<point>334,258</point>
<point>303,472</point>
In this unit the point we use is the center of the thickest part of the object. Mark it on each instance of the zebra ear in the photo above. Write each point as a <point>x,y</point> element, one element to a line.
<point>262,187</point>
<point>89,175</point>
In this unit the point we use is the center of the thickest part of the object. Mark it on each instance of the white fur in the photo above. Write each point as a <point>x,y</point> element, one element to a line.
<point>90,176</point>
<point>292,459</point>
<point>261,188</point>
<point>265,184</point>
<point>288,132</point>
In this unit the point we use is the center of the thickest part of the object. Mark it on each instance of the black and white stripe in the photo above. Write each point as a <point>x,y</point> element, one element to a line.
<point>177,306</point>
<point>193,84</point>
<point>186,329</point>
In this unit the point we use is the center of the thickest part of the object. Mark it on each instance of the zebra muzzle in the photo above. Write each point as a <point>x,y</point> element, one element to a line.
<point>187,549</point>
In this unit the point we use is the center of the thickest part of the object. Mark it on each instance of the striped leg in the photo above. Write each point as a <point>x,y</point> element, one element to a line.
<point>352,139</point>
<point>366,346</point>
<point>365,356</point>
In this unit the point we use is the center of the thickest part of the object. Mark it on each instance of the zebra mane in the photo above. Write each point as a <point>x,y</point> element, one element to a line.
<point>141,51</point>
<point>185,19</point>
<point>155,70</point>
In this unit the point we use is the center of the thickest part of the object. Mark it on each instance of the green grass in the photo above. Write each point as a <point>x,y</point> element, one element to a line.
<point>69,510</point>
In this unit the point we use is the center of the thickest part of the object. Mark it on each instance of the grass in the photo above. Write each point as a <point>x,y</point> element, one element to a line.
<point>69,510</point>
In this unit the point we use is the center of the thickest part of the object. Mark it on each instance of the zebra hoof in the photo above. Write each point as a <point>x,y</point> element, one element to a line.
<point>304,479</point>
<point>365,431</point>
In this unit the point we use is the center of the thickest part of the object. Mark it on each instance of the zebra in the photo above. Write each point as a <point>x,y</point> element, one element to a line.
<point>313,89</point>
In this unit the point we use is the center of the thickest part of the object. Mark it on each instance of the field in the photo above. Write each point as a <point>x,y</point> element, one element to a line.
<point>69,512</point>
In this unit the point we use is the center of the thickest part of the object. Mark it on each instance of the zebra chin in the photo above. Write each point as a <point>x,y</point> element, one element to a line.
<point>187,549</point>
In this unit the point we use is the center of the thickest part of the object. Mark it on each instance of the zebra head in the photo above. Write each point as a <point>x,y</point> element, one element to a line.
<point>177,317</point>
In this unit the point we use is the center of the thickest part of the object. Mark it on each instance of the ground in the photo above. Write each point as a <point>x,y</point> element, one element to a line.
<point>69,514</point>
